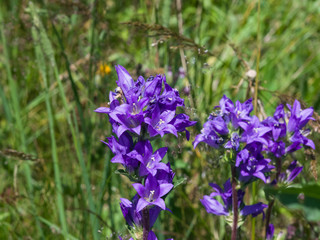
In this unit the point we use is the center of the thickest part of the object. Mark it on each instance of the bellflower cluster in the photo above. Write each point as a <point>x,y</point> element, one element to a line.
<point>212,205</point>
<point>254,149</point>
<point>140,111</point>
<point>287,136</point>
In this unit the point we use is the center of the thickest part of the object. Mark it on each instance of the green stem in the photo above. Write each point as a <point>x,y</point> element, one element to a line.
<point>234,204</point>
<point>253,220</point>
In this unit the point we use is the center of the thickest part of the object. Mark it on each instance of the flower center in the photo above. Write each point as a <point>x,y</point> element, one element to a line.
<point>135,109</point>
<point>151,195</point>
<point>159,124</point>
<point>150,163</point>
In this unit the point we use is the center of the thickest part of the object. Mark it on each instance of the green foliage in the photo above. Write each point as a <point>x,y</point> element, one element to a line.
<point>305,198</point>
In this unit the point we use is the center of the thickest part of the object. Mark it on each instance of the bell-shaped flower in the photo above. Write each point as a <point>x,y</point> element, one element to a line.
<point>169,98</point>
<point>270,232</point>
<point>181,122</point>
<point>209,137</point>
<point>152,236</point>
<point>291,173</point>
<point>129,116</point>
<point>254,131</point>
<point>134,217</point>
<point>278,127</point>
<point>300,137</point>
<point>151,193</point>
<point>299,118</point>
<point>226,105</point>
<point>213,206</point>
<point>150,162</point>
<point>253,210</point>
<point>234,142</point>
<point>159,123</point>
<point>153,86</point>
<point>125,81</point>
<point>251,167</point>
<point>278,149</point>
<point>114,102</point>
<point>120,147</point>
<point>213,133</point>
<point>164,176</point>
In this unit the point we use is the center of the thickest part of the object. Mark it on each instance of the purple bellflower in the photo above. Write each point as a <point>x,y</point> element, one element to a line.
<point>151,193</point>
<point>212,133</point>
<point>164,176</point>
<point>291,173</point>
<point>251,167</point>
<point>215,207</point>
<point>150,162</point>
<point>145,104</point>
<point>139,111</point>
<point>222,126</point>
<point>254,131</point>
<point>134,217</point>
<point>152,236</point>
<point>159,123</point>
<point>270,232</point>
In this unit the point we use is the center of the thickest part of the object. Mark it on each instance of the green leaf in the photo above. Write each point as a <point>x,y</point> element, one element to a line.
<point>128,175</point>
<point>179,182</point>
<point>4,216</point>
<point>55,227</point>
<point>305,198</point>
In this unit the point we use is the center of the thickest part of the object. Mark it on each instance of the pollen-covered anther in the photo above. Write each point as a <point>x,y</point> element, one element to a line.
<point>150,198</point>
<point>159,123</point>
<point>134,109</point>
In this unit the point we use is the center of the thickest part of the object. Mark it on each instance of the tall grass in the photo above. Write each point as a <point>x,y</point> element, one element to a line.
<point>42,68</point>
<point>50,51</point>
<point>20,133</point>
<point>47,50</point>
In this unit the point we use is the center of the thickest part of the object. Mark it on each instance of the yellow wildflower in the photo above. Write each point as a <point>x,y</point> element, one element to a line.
<point>104,69</point>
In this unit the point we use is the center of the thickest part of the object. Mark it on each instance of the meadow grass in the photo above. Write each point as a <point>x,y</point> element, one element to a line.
<point>51,53</point>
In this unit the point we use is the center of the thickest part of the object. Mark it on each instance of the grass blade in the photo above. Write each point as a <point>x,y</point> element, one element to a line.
<point>48,51</point>
<point>55,227</point>
<point>42,69</point>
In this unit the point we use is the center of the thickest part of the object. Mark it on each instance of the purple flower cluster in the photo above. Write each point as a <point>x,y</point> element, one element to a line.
<point>288,135</point>
<point>139,111</point>
<point>256,148</point>
<point>213,206</point>
<point>145,108</point>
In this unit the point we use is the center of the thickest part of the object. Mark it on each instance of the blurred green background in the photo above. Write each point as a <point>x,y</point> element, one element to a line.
<point>57,62</point>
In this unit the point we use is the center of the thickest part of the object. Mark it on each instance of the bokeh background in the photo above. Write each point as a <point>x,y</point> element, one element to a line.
<point>57,62</point>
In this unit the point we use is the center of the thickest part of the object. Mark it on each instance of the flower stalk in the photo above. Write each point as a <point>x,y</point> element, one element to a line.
<point>234,204</point>
<point>145,223</point>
